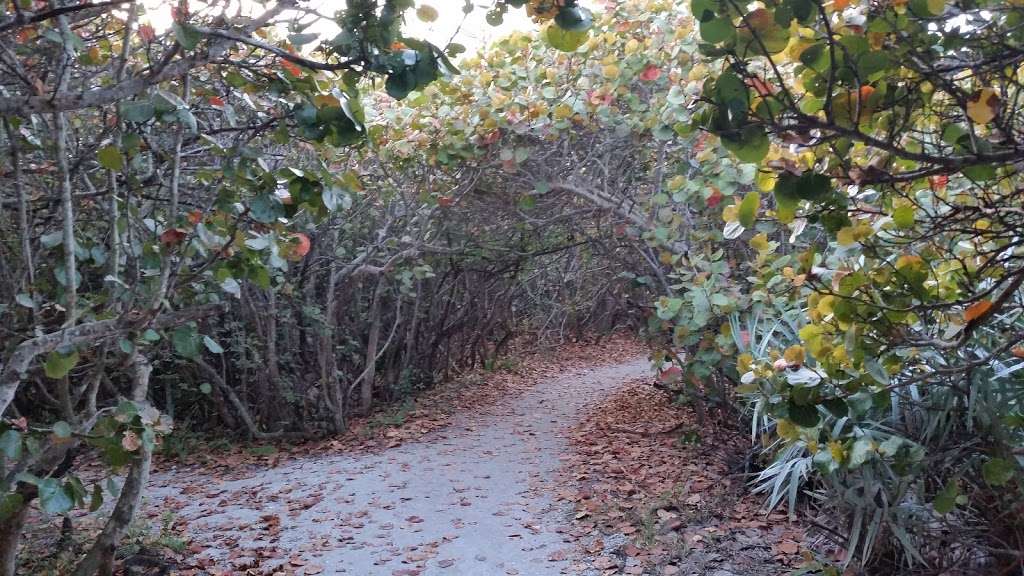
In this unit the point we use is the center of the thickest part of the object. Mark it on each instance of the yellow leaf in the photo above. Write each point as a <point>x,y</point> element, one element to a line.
<point>730,213</point>
<point>326,100</point>
<point>759,242</point>
<point>977,310</point>
<point>839,353</point>
<point>908,260</point>
<point>743,362</point>
<point>794,354</point>
<point>498,99</point>
<point>426,13</point>
<point>836,449</point>
<point>610,71</point>
<point>846,236</point>
<point>766,181</point>
<point>983,106</point>
<point>787,429</point>
<point>825,304</point>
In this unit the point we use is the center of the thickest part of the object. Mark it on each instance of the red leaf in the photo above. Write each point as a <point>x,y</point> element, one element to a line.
<point>491,138</point>
<point>650,73</point>
<point>216,101</point>
<point>147,33</point>
<point>670,374</point>
<point>715,199</point>
<point>760,86</point>
<point>172,237</point>
<point>179,13</point>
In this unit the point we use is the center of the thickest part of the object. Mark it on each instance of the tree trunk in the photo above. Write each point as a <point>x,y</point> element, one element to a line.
<point>243,412</point>
<point>10,533</point>
<point>100,558</point>
<point>332,386</point>
<point>369,374</point>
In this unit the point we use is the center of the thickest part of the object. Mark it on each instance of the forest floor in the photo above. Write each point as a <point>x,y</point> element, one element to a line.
<point>566,464</point>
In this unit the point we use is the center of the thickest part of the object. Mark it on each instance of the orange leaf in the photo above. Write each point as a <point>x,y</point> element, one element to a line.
<point>291,68</point>
<point>978,309</point>
<point>1018,351</point>
<point>216,101</point>
<point>297,247</point>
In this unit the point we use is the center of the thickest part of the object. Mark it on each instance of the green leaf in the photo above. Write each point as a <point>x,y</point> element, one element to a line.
<point>998,471</point>
<point>205,388</point>
<point>110,158</point>
<point>137,111</point>
<point>11,503</point>
<point>807,186</point>
<point>574,18</point>
<point>860,452</point>
<point>731,92</point>
<point>266,208</point>
<point>400,83</point>
<point>761,35</point>
<point>302,39</point>
<point>187,35</point>
<point>748,209</point>
<point>126,345</point>
<point>62,429</point>
<point>96,499</point>
<point>53,498</point>
<point>186,341</point>
<point>717,30</point>
<point>945,501</point>
<point>703,10</point>
<point>927,8</point>
<point>10,444</point>
<point>860,402</point>
<point>565,40</point>
<point>212,345</point>
<point>903,217</point>
<point>806,416</point>
<point>750,146</point>
<point>58,365</point>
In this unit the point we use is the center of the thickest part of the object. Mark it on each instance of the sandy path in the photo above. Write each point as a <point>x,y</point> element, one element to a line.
<point>471,499</point>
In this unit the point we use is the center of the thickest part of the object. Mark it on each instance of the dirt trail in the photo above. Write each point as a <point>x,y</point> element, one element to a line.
<point>470,499</point>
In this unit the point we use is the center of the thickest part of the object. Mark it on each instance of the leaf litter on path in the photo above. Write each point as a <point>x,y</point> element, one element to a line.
<point>469,496</point>
<point>670,495</point>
